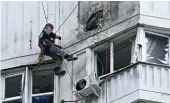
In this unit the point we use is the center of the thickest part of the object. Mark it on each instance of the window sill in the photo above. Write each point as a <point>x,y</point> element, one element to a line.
<point>11,99</point>
<point>42,94</point>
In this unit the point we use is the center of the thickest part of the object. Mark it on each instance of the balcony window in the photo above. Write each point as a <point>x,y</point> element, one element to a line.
<point>157,49</point>
<point>103,62</point>
<point>122,55</point>
<point>114,56</point>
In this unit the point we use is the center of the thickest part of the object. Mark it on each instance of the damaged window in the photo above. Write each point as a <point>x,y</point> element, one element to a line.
<point>103,62</point>
<point>157,49</point>
<point>94,21</point>
<point>42,84</point>
<point>122,55</point>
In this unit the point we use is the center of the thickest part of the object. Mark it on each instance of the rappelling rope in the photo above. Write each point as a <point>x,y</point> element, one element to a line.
<point>68,16</point>
<point>44,11</point>
<point>70,75</point>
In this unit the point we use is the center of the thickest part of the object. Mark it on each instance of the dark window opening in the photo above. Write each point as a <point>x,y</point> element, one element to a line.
<point>157,49</point>
<point>103,62</point>
<point>42,81</point>
<point>122,55</point>
<point>94,21</point>
<point>13,86</point>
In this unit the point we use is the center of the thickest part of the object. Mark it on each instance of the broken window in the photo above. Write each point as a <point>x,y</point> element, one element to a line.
<point>103,62</point>
<point>42,84</point>
<point>122,54</point>
<point>94,21</point>
<point>157,49</point>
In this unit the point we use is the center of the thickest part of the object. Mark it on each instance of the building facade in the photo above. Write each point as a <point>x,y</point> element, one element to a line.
<point>122,46</point>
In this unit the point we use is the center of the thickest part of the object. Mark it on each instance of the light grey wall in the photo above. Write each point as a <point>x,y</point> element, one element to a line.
<point>156,13</point>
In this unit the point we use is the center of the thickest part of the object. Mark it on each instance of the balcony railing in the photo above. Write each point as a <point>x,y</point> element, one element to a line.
<point>140,81</point>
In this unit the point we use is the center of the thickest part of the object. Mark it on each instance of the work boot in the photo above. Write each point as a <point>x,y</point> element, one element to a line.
<point>59,72</point>
<point>70,57</point>
<point>41,57</point>
<point>56,69</point>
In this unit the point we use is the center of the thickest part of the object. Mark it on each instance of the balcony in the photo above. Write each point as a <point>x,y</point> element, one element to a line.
<point>141,81</point>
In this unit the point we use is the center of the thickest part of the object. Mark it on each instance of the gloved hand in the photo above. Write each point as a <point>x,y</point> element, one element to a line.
<point>59,37</point>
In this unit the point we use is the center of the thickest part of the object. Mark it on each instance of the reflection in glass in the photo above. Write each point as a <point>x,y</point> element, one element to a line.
<point>13,86</point>
<point>122,55</point>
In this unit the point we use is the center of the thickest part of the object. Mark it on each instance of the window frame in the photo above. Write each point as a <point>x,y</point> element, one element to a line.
<point>155,34</point>
<point>41,94</point>
<point>95,56</point>
<point>3,86</point>
<point>26,72</point>
<point>112,42</point>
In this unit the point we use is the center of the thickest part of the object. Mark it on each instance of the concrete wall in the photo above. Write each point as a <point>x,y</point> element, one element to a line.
<point>155,13</point>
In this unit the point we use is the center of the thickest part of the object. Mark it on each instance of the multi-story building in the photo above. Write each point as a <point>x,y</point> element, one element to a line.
<point>122,48</point>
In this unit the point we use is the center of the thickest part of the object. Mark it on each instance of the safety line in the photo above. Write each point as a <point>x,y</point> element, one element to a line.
<point>70,75</point>
<point>68,17</point>
<point>44,11</point>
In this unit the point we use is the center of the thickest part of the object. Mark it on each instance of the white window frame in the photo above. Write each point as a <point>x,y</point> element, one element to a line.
<point>128,34</point>
<point>41,94</point>
<point>3,86</point>
<point>156,34</point>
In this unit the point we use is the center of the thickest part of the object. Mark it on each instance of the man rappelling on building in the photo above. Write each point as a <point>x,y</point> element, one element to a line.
<point>48,46</point>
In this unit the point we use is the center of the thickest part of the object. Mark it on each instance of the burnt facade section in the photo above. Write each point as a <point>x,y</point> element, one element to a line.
<point>96,14</point>
<point>94,21</point>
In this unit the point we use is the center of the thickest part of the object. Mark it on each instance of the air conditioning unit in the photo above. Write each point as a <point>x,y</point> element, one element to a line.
<point>87,86</point>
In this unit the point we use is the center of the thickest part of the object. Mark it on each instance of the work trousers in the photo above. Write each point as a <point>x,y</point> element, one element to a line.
<point>55,52</point>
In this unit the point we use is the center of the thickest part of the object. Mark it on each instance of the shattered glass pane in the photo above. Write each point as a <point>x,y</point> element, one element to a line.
<point>43,99</point>
<point>14,101</point>
<point>157,49</point>
<point>13,86</point>
<point>42,81</point>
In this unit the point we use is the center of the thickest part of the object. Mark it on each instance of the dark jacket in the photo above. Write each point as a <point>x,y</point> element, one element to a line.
<point>46,35</point>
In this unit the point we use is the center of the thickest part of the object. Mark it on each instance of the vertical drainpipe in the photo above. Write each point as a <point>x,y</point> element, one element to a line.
<point>56,78</point>
<point>111,57</point>
<point>56,89</point>
<point>26,86</point>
